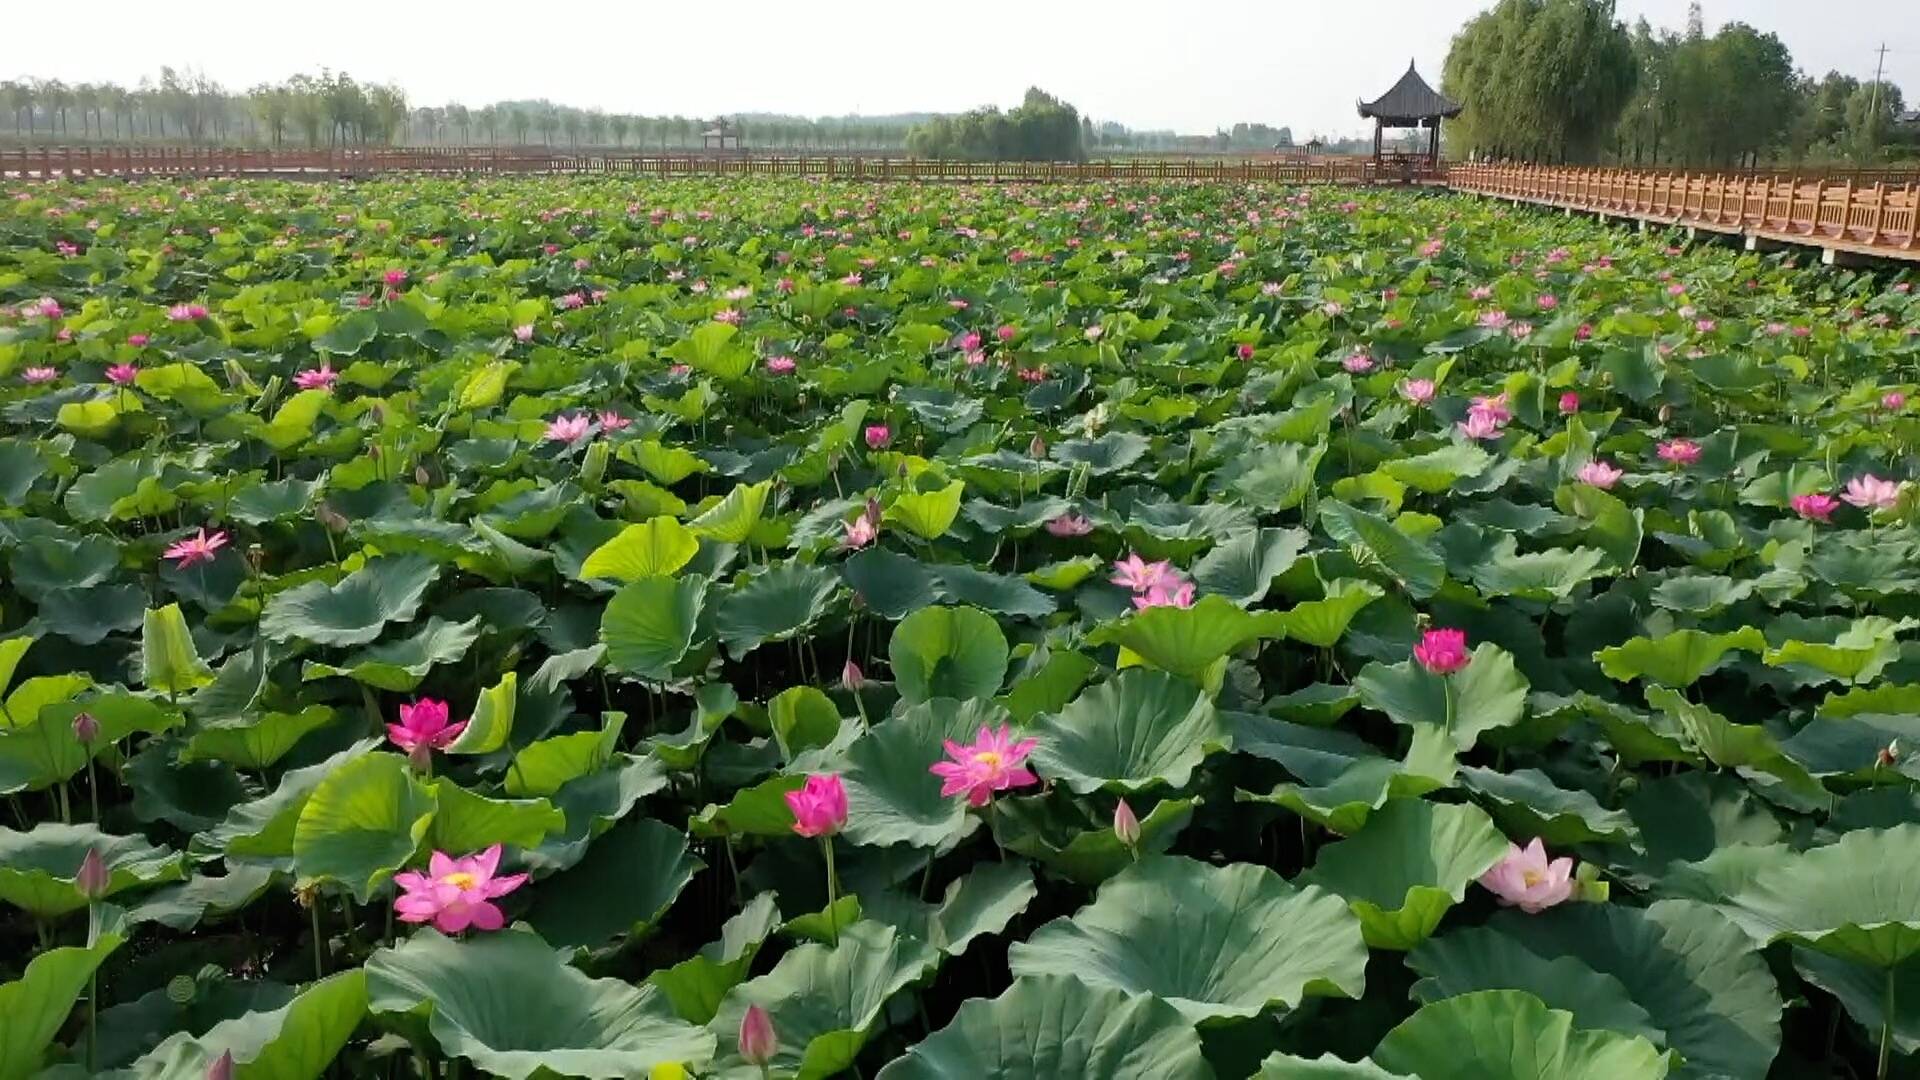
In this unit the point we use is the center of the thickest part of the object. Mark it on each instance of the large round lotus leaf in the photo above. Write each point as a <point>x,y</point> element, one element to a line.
<point>1411,561</point>
<point>1059,1028</point>
<point>649,624</point>
<point>1344,779</point>
<point>892,798</point>
<point>1676,659</point>
<point>1412,861</point>
<point>1137,730</point>
<point>1857,898</point>
<point>631,875</point>
<point>1078,843</point>
<point>1477,958</point>
<point>1243,566</point>
<point>1511,1035</point>
<point>824,1000</point>
<point>505,1002</point>
<point>1489,693</point>
<point>1528,803</point>
<point>354,611</point>
<point>402,665</point>
<point>948,652</point>
<point>1219,942</point>
<point>657,547</point>
<point>1280,1066</point>
<point>773,606</point>
<point>37,868</point>
<point>982,902</point>
<point>300,1038</point>
<point>1700,979</point>
<point>1188,641</point>
<point>362,822</point>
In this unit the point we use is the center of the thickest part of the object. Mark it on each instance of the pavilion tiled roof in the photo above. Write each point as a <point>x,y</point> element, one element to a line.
<point>1411,100</point>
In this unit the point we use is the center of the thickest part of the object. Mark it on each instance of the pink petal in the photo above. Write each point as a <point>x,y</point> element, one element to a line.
<point>487,917</point>
<point>501,886</point>
<point>454,919</point>
<point>441,864</point>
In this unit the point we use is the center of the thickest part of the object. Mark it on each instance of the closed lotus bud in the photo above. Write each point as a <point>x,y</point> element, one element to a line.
<point>421,476</point>
<point>852,677</point>
<point>256,557</point>
<point>94,877</point>
<point>85,727</point>
<point>1037,448</point>
<point>1666,413</point>
<point>758,1043</point>
<point>222,1068</point>
<point>1889,755</point>
<point>332,520</point>
<point>1125,825</point>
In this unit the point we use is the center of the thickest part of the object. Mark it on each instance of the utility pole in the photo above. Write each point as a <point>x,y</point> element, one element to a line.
<point>1873,109</point>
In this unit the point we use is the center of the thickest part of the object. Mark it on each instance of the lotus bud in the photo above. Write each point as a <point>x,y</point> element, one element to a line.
<point>256,557</point>
<point>94,877</point>
<point>1666,413</point>
<point>1889,755</point>
<point>329,518</point>
<point>222,1068</point>
<point>421,476</point>
<point>1126,827</point>
<point>852,678</point>
<point>1037,448</point>
<point>85,727</point>
<point>758,1043</point>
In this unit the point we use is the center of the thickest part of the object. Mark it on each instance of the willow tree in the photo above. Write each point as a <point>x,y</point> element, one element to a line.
<point>1541,79</point>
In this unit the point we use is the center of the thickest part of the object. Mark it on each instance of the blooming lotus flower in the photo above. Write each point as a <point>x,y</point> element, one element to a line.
<point>423,728</point>
<point>1599,474</point>
<point>571,301</point>
<point>1480,425</point>
<point>758,1044</point>
<point>1070,524</point>
<point>35,376</point>
<point>122,374</point>
<point>456,894</point>
<point>991,763</point>
<point>1138,575</point>
<point>1525,879</point>
<point>1168,593</point>
<point>1815,507</point>
<point>780,365</point>
<point>728,316</point>
<point>395,278</point>
<point>1418,391</point>
<point>523,332</point>
<point>1495,407</point>
<point>1893,401</point>
<point>1547,301</point>
<point>878,436</point>
<point>1358,363</point>
<point>186,313</point>
<point>320,378</point>
<point>568,429</point>
<point>613,421</point>
<point>1494,320</point>
<point>195,549</point>
<point>1869,492</point>
<point>137,340</point>
<point>820,807</point>
<point>860,532</point>
<point>1442,651</point>
<point>1569,403</point>
<point>1679,451</point>
<point>46,307</point>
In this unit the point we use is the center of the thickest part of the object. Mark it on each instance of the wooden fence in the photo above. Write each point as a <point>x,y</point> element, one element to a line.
<point>1877,218</point>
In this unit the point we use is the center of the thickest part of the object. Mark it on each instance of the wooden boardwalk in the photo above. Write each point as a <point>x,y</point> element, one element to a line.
<point>1847,216</point>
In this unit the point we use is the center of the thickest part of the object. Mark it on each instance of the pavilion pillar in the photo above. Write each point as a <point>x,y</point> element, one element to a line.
<point>1376,140</point>
<point>1433,145</point>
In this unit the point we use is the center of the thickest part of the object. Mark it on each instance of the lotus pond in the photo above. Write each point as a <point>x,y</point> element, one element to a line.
<point>776,629</point>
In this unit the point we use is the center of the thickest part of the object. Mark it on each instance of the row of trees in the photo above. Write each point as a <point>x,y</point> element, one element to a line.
<point>1565,80</point>
<point>1040,128</point>
<point>186,106</point>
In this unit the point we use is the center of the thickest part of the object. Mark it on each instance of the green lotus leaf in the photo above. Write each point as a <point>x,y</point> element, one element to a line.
<point>1344,780</point>
<point>1056,1026</point>
<point>1489,693</point>
<point>37,868</point>
<point>802,717</point>
<point>1677,659</point>
<point>732,519</point>
<point>657,548</point>
<point>1700,594</point>
<point>621,890</point>
<point>1187,641</point>
<point>1542,575</point>
<point>775,605</point>
<point>1439,470</point>
<point>1411,862</point>
<point>951,652</point>
<point>893,585</point>
<point>1323,622</point>
<point>892,798</point>
<point>1272,477</point>
<point>666,464</point>
<point>982,902</point>
<point>465,821</point>
<point>926,514</point>
<point>43,566</point>
<point>1080,848</point>
<point>824,1000</point>
<point>169,661</point>
<point>1854,746</point>
<point>1000,593</point>
<point>38,1003</point>
<point>1857,654</point>
<point>1475,958</point>
<point>1851,898</point>
<point>759,810</point>
<point>649,624</point>
<point>1243,566</point>
<point>183,905</point>
<point>1104,454</point>
<point>592,804</point>
<point>299,1038</point>
<point>1216,942</point>
<point>546,766</point>
<point>1316,704</point>
<point>1864,991</point>
<point>1138,730</point>
<point>400,666</point>
<point>1411,561</point>
<point>1279,1066</point>
<point>264,828</point>
<point>354,611</point>
<point>698,984</point>
<point>1527,803</point>
<point>362,822</point>
<point>508,1004</point>
<point>1731,745</point>
<point>258,744</point>
<point>1512,1035</point>
<point>491,724</point>
<point>1885,698</point>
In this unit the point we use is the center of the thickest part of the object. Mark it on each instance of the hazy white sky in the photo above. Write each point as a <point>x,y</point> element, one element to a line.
<point>1191,65</point>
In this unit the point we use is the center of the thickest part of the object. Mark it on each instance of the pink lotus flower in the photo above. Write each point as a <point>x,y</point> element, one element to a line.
<point>138,341</point>
<point>1705,326</point>
<point>1418,391</point>
<point>122,374</point>
<point>195,549</point>
<point>1599,474</point>
<point>1869,492</point>
<point>1893,401</point>
<point>1244,351</point>
<point>1005,333</point>
<point>613,421</point>
<point>46,307</point>
<point>1126,825</point>
<point>780,365</point>
<point>878,436</point>
<point>523,332</point>
<point>1480,292</point>
<point>568,429</point>
<point>851,677</point>
<point>320,378</point>
<point>1358,363</point>
<point>1815,507</point>
<point>1093,332</point>
<point>758,1044</point>
<point>1547,301</point>
<point>1495,407</point>
<point>820,807</point>
<point>1494,320</point>
<point>395,278</point>
<point>728,316</point>
<point>423,728</point>
<point>1169,593</point>
<point>1070,524</point>
<point>35,376</point>
<point>860,532</point>
<point>1480,425</point>
<point>1140,576</point>
<point>186,313</point>
<point>455,894</point>
<point>572,301</point>
<point>1525,879</point>
<point>1569,403</point>
<point>1584,332</point>
<point>1679,451</point>
<point>991,763</point>
<point>1442,651</point>
<point>94,878</point>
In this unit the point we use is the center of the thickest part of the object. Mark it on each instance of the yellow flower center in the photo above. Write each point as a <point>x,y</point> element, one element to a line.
<point>461,880</point>
<point>1530,878</point>
<point>988,757</point>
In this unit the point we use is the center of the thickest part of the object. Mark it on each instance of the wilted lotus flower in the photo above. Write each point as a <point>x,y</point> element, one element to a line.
<point>1815,507</point>
<point>1525,879</point>
<point>1599,474</point>
<point>1869,492</point>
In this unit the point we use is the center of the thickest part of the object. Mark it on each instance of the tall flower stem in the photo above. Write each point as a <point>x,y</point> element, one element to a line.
<point>1886,1027</point>
<point>93,983</point>
<point>319,943</point>
<point>1446,691</point>
<point>833,891</point>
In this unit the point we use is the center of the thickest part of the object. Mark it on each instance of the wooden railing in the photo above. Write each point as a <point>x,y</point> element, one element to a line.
<point>1876,218</point>
<point>155,161</point>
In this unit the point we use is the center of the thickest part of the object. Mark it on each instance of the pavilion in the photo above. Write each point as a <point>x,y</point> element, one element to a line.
<point>719,135</point>
<point>1411,104</point>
